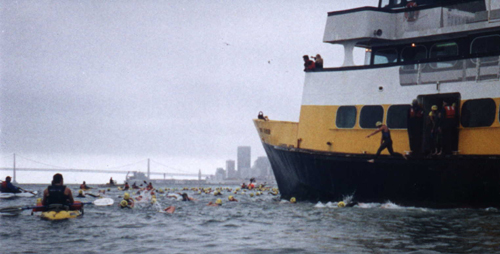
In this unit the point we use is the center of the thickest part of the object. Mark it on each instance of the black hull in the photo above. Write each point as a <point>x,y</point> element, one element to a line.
<point>445,182</point>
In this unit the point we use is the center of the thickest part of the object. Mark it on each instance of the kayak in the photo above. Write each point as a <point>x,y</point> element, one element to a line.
<point>60,215</point>
<point>6,195</point>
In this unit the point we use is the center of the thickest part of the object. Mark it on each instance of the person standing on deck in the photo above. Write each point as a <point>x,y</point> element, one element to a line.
<point>386,141</point>
<point>448,119</point>
<point>415,127</point>
<point>434,125</point>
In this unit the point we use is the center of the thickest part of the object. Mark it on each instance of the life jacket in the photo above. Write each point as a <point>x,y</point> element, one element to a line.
<point>56,195</point>
<point>416,112</point>
<point>4,187</point>
<point>450,112</point>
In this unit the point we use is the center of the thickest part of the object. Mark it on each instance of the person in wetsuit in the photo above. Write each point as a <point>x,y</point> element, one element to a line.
<point>386,141</point>
<point>57,193</point>
<point>8,187</point>
<point>434,125</point>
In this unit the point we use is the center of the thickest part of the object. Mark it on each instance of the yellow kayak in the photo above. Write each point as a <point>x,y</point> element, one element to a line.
<point>60,215</point>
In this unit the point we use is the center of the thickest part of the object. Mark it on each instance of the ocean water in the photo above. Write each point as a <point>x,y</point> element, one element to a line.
<point>260,224</point>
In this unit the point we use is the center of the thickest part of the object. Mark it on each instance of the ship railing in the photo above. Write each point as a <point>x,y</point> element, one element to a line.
<point>472,69</point>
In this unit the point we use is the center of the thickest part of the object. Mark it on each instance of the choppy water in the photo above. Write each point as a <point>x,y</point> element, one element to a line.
<point>252,225</point>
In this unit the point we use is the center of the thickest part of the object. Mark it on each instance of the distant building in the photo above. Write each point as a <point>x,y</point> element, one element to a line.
<point>230,170</point>
<point>244,160</point>
<point>220,174</point>
<point>262,167</point>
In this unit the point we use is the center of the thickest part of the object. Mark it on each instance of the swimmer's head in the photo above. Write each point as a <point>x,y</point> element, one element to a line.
<point>293,200</point>
<point>341,204</point>
<point>218,201</point>
<point>123,203</point>
<point>126,195</point>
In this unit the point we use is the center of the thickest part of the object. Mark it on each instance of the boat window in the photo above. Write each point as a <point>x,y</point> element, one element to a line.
<point>486,45</point>
<point>384,3</point>
<point>370,115</point>
<point>412,54</point>
<point>384,56</point>
<point>478,113</point>
<point>346,117</point>
<point>443,50</point>
<point>397,116</point>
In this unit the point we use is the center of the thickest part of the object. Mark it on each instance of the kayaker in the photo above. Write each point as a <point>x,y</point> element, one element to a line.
<point>57,193</point>
<point>126,187</point>
<point>150,186</point>
<point>84,186</point>
<point>8,187</point>
<point>111,182</point>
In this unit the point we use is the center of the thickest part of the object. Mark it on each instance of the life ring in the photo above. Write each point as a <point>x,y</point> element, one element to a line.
<point>411,15</point>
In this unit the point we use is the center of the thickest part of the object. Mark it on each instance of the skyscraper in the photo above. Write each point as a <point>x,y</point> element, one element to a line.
<point>231,171</point>
<point>244,161</point>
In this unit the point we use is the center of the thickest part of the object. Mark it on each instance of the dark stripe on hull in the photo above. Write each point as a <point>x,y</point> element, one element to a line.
<point>453,181</point>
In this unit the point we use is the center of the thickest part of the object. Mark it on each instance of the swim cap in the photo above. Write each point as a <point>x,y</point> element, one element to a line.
<point>123,203</point>
<point>434,107</point>
<point>126,195</point>
<point>230,198</point>
<point>80,191</point>
<point>251,195</point>
<point>293,200</point>
<point>341,204</point>
<point>153,200</point>
<point>378,124</point>
<point>218,201</point>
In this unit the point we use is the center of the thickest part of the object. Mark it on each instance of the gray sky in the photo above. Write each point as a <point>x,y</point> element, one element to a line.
<point>96,84</point>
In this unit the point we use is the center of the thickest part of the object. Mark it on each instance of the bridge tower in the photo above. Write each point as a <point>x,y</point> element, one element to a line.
<point>14,179</point>
<point>149,178</point>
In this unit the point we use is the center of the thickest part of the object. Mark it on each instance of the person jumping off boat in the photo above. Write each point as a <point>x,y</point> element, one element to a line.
<point>385,142</point>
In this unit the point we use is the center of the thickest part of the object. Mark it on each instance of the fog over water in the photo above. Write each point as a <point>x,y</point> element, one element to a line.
<point>101,84</point>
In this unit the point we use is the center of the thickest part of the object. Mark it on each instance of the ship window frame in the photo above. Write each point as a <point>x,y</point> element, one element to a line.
<point>405,116</point>
<point>435,64</point>
<point>337,117</point>
<point>409,65</point>
<point>374,56</point>
<point>474,60</point>
<point>368,123</point>
<point>487,121</point>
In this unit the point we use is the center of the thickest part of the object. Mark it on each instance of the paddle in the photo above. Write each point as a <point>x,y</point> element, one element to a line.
<point>27,191</point>
<point>18,209</point>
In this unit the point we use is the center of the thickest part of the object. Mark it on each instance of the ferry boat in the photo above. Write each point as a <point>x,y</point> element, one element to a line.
<point>433,51</point>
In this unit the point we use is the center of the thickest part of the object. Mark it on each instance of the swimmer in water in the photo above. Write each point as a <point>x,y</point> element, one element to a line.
<point>218,202</point>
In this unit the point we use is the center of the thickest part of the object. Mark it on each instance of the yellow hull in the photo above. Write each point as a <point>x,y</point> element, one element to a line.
<point>61,215</point>
<point>317,131</point>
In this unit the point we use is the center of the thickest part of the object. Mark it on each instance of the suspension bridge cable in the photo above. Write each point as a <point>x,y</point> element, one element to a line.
<point>127,165</point>
<point>182,171</point>
<point>45,164</point>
